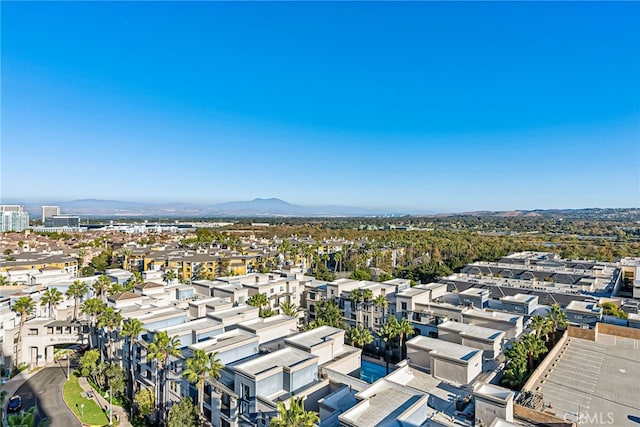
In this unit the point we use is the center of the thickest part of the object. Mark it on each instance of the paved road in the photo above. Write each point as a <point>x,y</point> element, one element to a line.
<point>44,389</point>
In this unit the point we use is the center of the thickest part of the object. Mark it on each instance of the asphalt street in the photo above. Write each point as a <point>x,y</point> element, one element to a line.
<point>44,389</point>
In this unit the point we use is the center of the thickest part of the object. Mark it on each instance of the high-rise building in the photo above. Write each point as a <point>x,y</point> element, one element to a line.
<point>13,221</point>
<point>48,211</point>
<point>62,221</point>
<point>11,208</point>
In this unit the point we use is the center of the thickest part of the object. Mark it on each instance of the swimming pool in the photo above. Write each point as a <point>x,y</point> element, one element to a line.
<point>372,372</point>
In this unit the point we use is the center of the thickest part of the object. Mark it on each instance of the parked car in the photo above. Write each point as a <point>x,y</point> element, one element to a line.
<point>15,404</point>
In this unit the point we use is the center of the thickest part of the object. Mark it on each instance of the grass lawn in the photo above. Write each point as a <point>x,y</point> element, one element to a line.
<point>93,415</point>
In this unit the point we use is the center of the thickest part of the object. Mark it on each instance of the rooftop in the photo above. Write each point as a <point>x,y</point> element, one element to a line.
<point>444,348</point>
<point>584,306</point>
<point>605,383</point>
<point>522,298</point>
<point>287,358</point>
<point>314,337</point>
<point>471,331</point>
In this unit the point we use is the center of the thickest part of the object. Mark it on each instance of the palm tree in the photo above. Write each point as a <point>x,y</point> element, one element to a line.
<point>126,253</point>
<point>160,350</point>
<point>200,367</point>
<point>328,313</point>
<point>25,419</point>
<point>76,290</point>
<point>170,276</point>
<point>4,281</point>
<point>558,320</point>
<point>405,330</point>
<point>294,415</point>
<point>338,257</point>
<point>534,347</point>
<point>101,285</point>
<point>290,309</point>
<point>93,308</point>
<point>258,300</point>
<point>515,374</point>
<point>134,280</point>
<point>356,298</point>
<point>50,298</point>
<point>131,328</point>
<point>82,253</point>
<point>382,303</point>
<point>541,326</point>
<point>110,321</point>
<point>24,306</point>
<point>359,336</point>
<point>388,332</point>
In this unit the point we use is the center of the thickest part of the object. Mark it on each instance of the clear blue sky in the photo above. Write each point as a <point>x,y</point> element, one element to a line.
<point>433,106</point>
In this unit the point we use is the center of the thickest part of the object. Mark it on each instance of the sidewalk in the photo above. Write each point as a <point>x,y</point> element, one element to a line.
<point>119,413</point>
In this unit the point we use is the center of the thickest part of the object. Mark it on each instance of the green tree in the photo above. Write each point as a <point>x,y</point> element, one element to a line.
<point>4,281</point>
<point>101,286</point>
<point>541,326</point>
<point>145,402</point>
<point>558,319</point>
<point>359,336</point>
<point>76,290</point>
<point>382,303</point>
<point>515,375</point>
<point>260,301</point>
<point>294,415</point>
<point>50,298</point>
<point>110,321</point>
<point>24,306</point>
<point>89,363</point>
<point>93,308</point>
<point>289,309</point>
<point>328,312</point>
<point>131,328</point>
<point>201,367</point>
<point>160,350</point>
<point>534,348</point>
<point>170,276</point>
<point>405,330</point>
<point>388,332</point>
<point>184,414</point>
<point>25,419</point>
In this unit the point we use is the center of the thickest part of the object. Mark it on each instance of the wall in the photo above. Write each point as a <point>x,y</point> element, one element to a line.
<point>585,334</point>
<point>547,360</point>
<point>540,418</point>
<point>619,331</point>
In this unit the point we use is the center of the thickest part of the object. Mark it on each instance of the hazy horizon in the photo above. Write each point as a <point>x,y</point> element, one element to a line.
<point>415,106</point>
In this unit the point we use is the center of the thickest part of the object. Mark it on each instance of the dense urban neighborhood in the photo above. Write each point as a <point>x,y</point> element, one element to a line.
<point>244,323</point>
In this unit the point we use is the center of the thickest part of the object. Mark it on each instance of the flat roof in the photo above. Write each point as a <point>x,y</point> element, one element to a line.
<point>194,325</point>
<point>471,331</point>
<point>384,402</point>
<point>232,312</point>
<point>497,315</point>
<point>225,341</point>
<point>314,337</point>
<point>595,377</point>
<point>584,306</point>
<point>475,292</point>
<point>444,348</point>
<point>522,298</point>
<point>286,358</point>
<point>260,323</point>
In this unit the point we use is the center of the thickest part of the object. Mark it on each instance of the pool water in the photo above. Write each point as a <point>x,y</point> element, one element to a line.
<point>372,372</point>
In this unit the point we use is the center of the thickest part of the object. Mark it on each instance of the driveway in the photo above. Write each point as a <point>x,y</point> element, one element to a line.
<point>44,389</point>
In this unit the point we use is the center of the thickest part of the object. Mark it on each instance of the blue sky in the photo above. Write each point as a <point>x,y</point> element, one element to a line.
<point>407,106</point>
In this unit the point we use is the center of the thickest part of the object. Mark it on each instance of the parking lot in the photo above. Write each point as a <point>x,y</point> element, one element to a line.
<point>595,383</point>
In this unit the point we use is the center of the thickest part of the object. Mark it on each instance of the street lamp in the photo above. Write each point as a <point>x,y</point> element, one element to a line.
<point>82,412</point>
<point>108,395</point>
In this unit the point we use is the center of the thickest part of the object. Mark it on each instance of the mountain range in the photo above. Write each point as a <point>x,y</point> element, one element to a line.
<point>271,207</point>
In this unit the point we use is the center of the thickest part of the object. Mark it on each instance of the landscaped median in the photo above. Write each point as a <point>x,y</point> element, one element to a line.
<point>91,413</point>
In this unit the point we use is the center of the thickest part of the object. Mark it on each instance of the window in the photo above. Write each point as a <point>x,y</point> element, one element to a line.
<point>404,305</point>
<point>240,300</point>
<point>281,288</point>
<point>33,332</point>
<point>271,291</point>
<point>293,290</point>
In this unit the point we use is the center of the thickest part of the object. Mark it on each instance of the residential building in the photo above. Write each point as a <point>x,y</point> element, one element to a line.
<point>49,211</point>
<point>13,220</point>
